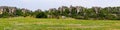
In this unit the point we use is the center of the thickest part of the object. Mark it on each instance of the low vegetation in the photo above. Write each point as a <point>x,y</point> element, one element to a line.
<point>28,23</point>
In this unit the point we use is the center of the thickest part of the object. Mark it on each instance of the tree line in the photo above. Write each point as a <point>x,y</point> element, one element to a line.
<point>77,12</point>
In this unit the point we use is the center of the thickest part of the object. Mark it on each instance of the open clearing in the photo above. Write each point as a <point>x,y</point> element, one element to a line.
<point>27,23</point>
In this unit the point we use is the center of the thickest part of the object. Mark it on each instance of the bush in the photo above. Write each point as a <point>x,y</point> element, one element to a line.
<point>41,15</point>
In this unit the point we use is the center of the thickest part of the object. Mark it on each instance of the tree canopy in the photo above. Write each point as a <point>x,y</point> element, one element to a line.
<point>77,12</point>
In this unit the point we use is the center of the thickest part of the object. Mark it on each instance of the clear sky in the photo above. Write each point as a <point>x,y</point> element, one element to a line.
<point>46,4</point>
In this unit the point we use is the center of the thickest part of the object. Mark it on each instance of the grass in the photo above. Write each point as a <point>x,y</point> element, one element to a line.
<point>27,23</point>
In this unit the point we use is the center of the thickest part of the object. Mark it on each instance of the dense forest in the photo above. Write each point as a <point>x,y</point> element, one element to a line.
<point>77,12</point>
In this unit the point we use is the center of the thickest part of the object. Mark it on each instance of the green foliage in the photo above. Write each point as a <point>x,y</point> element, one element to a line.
<point>5,15</point>
<point>41,15</point>
<point>77,12</point>
<point>19,12</point>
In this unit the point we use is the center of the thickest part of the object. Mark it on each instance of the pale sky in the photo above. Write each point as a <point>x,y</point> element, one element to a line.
<point>46,4</point>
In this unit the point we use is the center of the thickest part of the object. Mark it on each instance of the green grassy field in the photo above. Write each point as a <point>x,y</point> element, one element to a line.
<point>27,23</point>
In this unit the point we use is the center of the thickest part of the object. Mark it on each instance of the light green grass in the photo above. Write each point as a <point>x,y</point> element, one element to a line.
<point>27,23</point>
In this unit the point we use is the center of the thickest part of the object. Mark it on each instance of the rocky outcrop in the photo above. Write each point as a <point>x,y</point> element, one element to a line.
<point>8,9</point>
<point>79,9</point>
<point>96,9</point>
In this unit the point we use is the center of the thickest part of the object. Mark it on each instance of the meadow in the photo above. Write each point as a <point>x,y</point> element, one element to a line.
<point>28,23</point>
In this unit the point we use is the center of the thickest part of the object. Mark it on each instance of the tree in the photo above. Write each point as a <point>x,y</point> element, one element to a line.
<point>5,15</point>
<point>19,12</point>
<point>41,15</point>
